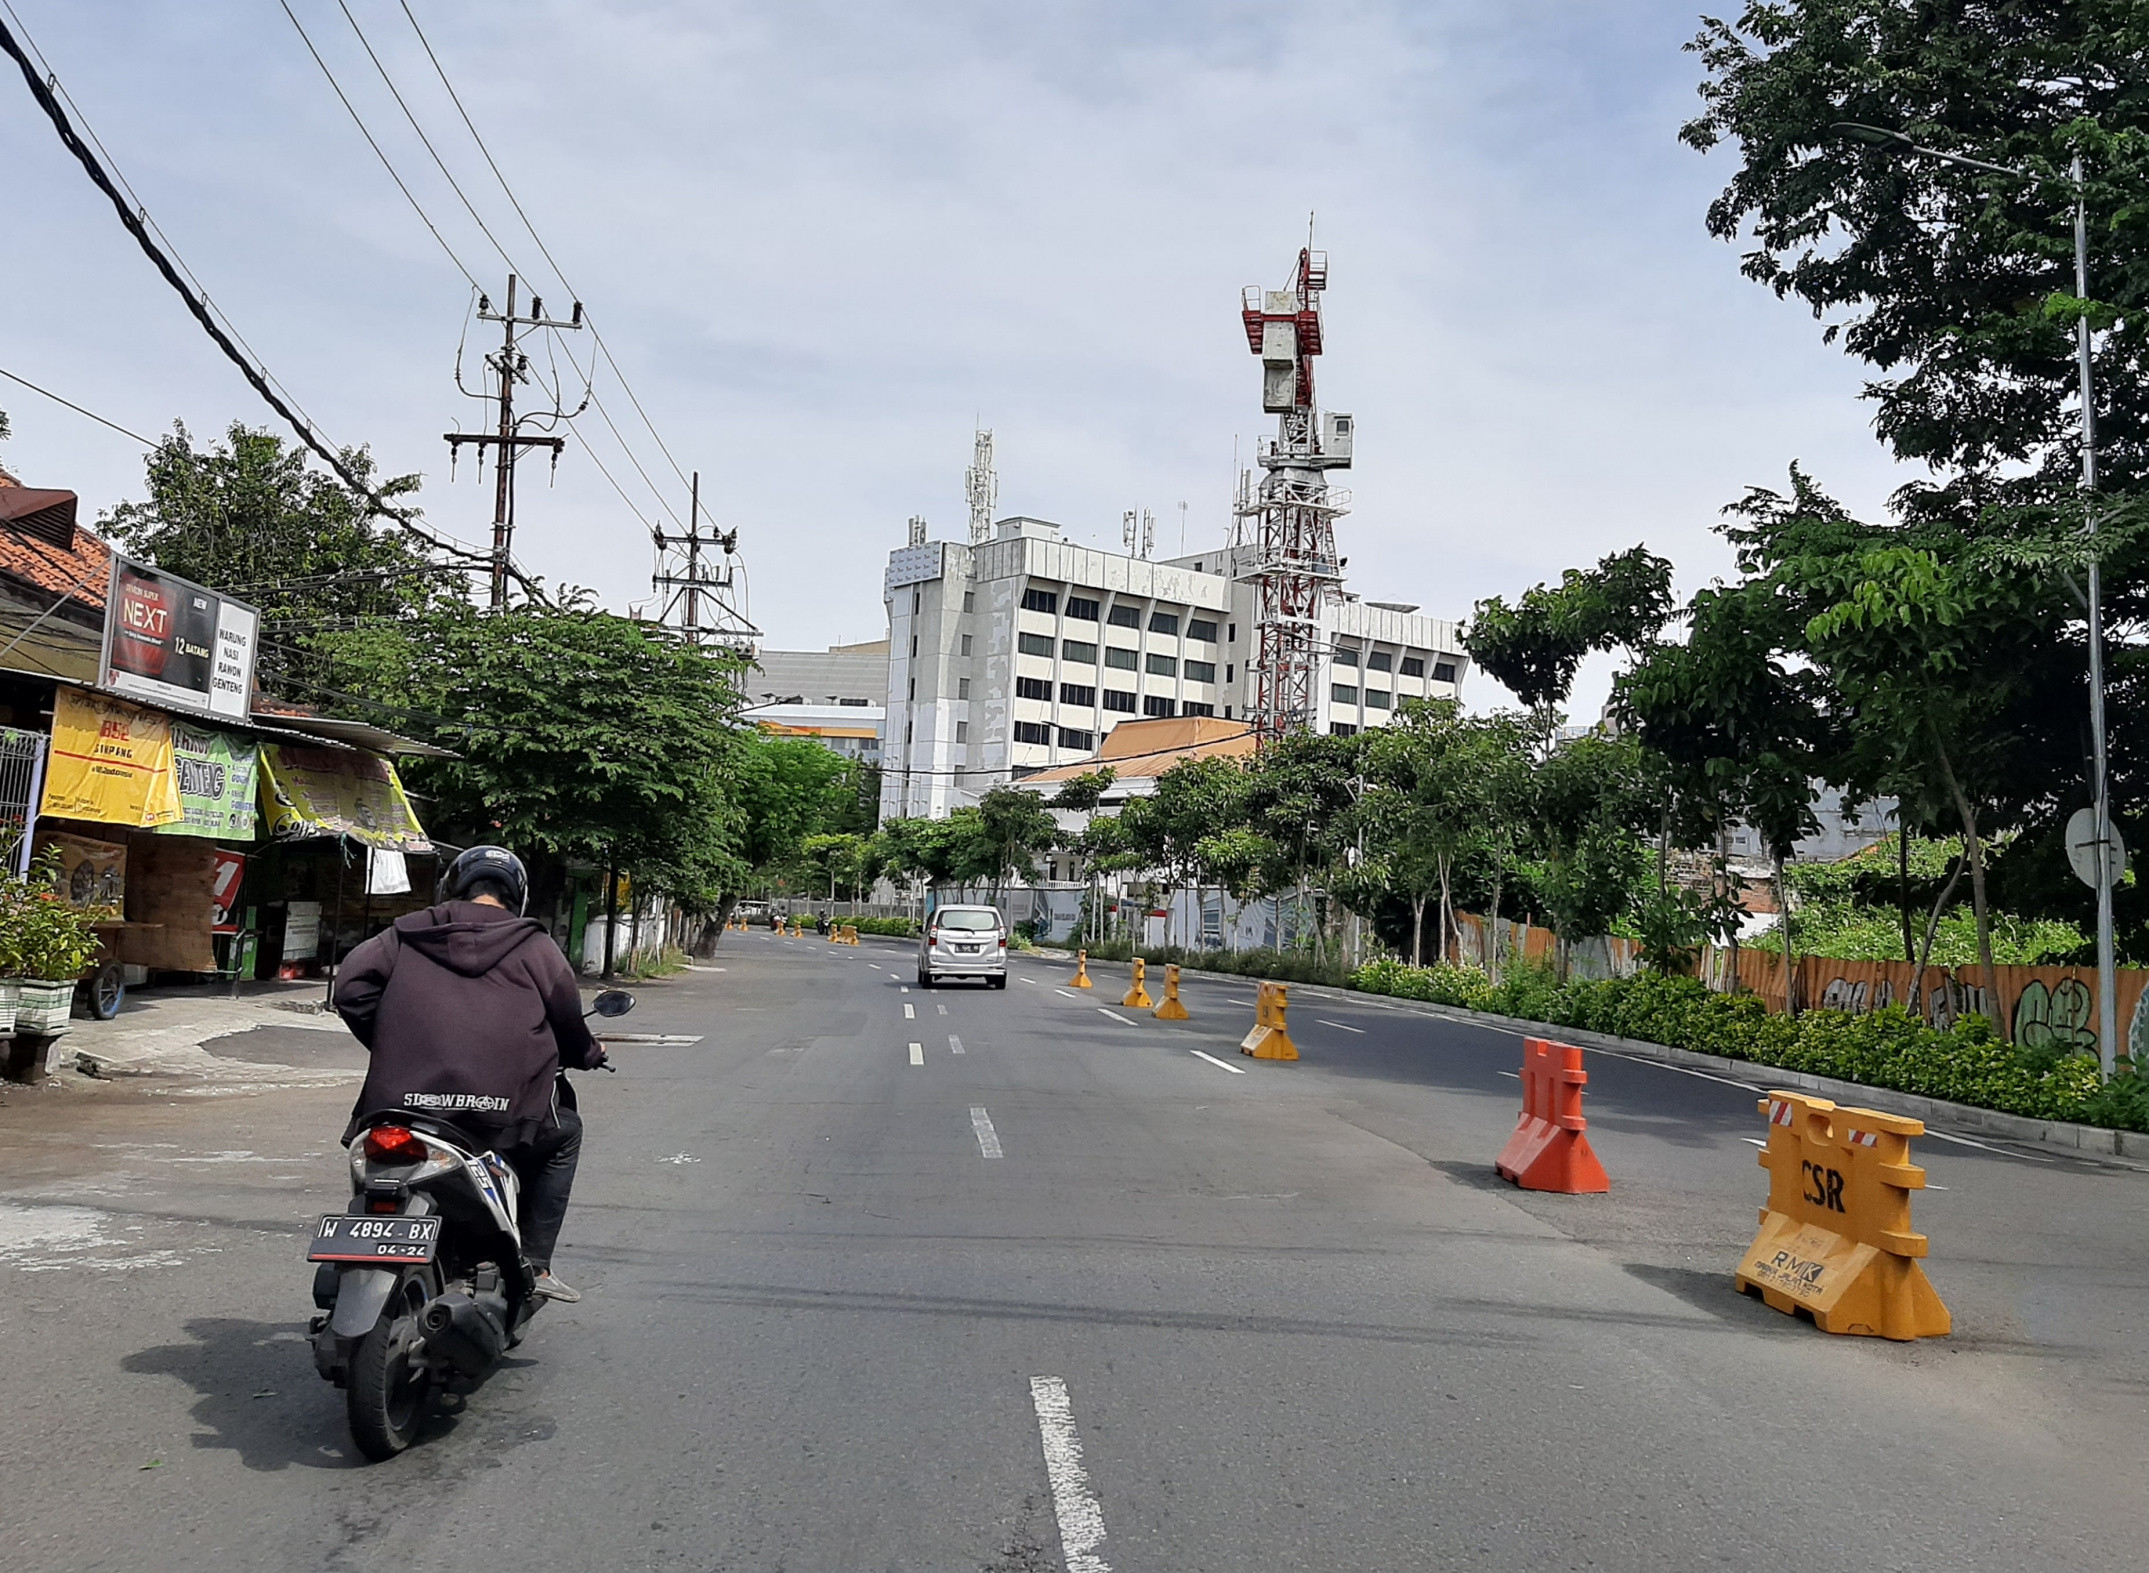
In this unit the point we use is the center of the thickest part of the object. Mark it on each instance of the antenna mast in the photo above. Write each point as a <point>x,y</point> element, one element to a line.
<point>1293,561</point>
<point>983,486</point>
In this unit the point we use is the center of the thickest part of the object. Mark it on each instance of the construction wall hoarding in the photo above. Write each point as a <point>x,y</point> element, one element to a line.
<point>171,641</point>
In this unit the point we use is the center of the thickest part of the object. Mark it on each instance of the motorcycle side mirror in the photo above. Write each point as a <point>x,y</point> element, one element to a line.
<point>613,1002</point>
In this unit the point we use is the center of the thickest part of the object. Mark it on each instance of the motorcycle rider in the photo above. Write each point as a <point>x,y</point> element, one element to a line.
<point>468,1011</point>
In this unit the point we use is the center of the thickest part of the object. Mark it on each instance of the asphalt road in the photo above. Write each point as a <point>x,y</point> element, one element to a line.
<point>886,1279</point>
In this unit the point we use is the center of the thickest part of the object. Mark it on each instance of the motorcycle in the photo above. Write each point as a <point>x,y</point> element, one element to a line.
<point>421,1280</point>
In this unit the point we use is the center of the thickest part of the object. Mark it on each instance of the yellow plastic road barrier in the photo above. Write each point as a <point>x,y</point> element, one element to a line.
<point>1172,1009</point>
<point>1139,994</point>
<point>1081,977</point>
<point>1271,1037</point>
<point>850,933</point>
<point>1835,1240</point>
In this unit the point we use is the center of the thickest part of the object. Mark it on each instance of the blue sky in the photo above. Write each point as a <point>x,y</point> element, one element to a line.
<point>824,240</point>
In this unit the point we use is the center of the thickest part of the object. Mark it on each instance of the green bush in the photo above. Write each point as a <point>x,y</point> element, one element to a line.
<point>895,928</point>
<point>1278,966</point>
<point>1890,1048</point>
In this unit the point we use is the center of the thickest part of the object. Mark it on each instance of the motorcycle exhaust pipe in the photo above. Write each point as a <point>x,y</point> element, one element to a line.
<point>468,1333</point>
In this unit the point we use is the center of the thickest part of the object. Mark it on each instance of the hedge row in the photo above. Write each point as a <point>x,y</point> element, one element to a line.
<point>1279,966</point>
<point>1967,1063</point>
<point>898,928</point>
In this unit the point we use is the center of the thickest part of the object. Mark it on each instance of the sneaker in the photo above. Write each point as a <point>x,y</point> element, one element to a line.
<point>551,1288</point>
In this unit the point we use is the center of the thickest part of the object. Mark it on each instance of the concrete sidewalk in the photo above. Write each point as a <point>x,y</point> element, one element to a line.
<point>163,1033</point>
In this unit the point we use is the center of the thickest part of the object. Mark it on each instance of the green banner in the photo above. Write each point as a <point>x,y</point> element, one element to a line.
<point>216,775</point>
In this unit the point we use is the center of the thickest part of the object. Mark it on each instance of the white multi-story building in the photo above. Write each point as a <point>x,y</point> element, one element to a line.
<point>1021,652</point>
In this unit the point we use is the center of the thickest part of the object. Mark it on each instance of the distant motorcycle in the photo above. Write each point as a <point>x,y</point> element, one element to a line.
<point>421,1280</point>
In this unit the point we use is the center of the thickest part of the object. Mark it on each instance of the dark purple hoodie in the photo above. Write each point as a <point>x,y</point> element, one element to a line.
<point>469,1012</point>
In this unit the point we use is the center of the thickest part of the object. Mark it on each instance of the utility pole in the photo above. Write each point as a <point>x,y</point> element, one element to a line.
<point>699,593</point>
<point>511,366</point>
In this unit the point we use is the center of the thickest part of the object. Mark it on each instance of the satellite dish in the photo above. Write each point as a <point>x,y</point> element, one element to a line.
<point>2082,848</point>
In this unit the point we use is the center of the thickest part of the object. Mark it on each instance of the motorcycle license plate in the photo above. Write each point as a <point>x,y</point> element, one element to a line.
<point>353,1237</point>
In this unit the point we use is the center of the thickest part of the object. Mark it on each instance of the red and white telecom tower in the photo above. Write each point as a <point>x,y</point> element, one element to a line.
<point>1292,553</point>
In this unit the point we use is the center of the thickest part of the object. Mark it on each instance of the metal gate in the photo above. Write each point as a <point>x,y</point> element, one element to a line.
<point>22,772</point>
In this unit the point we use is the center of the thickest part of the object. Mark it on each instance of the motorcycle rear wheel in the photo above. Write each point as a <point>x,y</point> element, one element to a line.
<point>388,1390</point>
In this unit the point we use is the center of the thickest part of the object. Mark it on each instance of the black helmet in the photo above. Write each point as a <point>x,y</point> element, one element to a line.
<point>489,871</point>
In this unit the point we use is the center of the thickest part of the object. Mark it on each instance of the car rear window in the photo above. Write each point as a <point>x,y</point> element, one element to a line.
<point>971,922</point>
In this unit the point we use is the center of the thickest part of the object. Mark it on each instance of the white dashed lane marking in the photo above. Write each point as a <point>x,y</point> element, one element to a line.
<point>1222,1065</point>
<point>1340,1026</point>
<point>1115,1015</point>
<point>955,1044</point>
<point>1074,1504</point>
<point>988,1139</point>
<point>917,1054</point>
<point>910,1013</point>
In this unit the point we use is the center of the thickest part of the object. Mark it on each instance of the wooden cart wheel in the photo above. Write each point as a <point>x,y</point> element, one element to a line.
<point>107,989</point>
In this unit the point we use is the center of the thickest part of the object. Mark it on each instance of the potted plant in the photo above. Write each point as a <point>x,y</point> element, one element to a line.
<point>14,896</point>
<point>56,941</point>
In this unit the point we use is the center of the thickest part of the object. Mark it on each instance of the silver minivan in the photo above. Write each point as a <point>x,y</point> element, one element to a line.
<point>963,942</point>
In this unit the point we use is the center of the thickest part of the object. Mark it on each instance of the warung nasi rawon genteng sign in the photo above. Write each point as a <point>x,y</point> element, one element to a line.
<point>177,644</point>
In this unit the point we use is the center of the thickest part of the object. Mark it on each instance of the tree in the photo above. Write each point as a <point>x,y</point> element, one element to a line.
<point>1427,805</point>
<point>1012,826</point>
<point>788,788</point>
<point>1536,646</point>
<point>255,519</point>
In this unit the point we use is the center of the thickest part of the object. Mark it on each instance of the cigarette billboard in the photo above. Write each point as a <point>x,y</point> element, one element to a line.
<point>174,643</point>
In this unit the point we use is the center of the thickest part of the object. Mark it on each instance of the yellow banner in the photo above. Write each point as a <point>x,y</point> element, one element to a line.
<point>333,792</point>
<point>110,762</point>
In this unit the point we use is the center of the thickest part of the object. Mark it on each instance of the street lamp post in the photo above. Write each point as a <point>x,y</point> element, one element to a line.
<point>2100,783</point>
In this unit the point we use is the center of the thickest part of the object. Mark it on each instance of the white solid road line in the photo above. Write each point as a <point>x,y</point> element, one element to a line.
<point>1222,1065</point>
<point>910,1013</point>
<point>1948,1136</point>
<point>955,1044</point>
<point>1081,1520</point>
<point>1115,1015</point>
<point>917,1054</point>
<point>1342,1026</point>
<point>988,1139</point>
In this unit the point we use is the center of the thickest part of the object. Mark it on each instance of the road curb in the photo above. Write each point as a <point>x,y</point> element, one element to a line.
<point>2127,1149</point>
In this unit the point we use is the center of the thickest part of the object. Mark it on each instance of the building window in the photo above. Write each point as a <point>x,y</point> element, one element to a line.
<point>1227,712</point>
<point>1080,653</point>
<point>914,603</point>
<point>1125,617</point>
<point>1201,629</point>
<point>1033,688</point>
<point>1201,671</point>
<point>970,600</point>
<point>1336,729</point>
<point>1379,699</point>
<point>914,647</point>
<point>1379,661</point>
<point>1195,707</point>
<point>1231,633</point>
<point>1119,699</point>
<point>1342,694</point>
<point>1035,600</point>
<point>1035,644</point>
<point>1413,666</point>
<point>1346,655</point>
<point>1082,607</point>
<point>1123,660</point>
<point>1444,671</point>
<point>1078,694</point>
<point>1162,665</point>
<point>1164,622</point>
<point>906,731</point>
<point>1033,732</point>
<point>1230,673</point>
<point>962,688</point>
<point>1070,738</point>
<point>966,644</point>
<point>962,731</point>
<point>1156,705</point>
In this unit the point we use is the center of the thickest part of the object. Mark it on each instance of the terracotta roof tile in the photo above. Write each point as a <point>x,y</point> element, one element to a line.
<point>82,570</point>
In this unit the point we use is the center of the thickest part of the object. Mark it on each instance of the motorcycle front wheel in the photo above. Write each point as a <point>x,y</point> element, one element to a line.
<point>389,1385</point>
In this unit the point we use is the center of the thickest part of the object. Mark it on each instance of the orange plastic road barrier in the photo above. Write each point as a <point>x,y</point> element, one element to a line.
<point>1550,1149</point>
<point>1172,1008</point>
<point>1081,977</point>
<point>850,933</point>
<point>1270,1038</point>
<point>1138,995</point>
<point>1835,1241</point>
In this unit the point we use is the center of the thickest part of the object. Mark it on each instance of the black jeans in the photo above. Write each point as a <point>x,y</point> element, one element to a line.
<point>546,1168</point>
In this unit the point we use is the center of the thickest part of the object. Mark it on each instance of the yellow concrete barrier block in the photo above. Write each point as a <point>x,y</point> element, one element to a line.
<point>1172,1008</point>
<point>1270,1038</point>
<point>1081,977</point>
<point>1835,1242</point>
<point>1138,995</point>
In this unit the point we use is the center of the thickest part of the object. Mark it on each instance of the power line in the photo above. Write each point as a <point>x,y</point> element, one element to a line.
<point>78,409</point>
<point>377,153</point>
<point>134,222</point>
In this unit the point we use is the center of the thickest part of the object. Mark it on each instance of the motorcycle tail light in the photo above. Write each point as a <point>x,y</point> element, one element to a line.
<point>394,1144</point>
